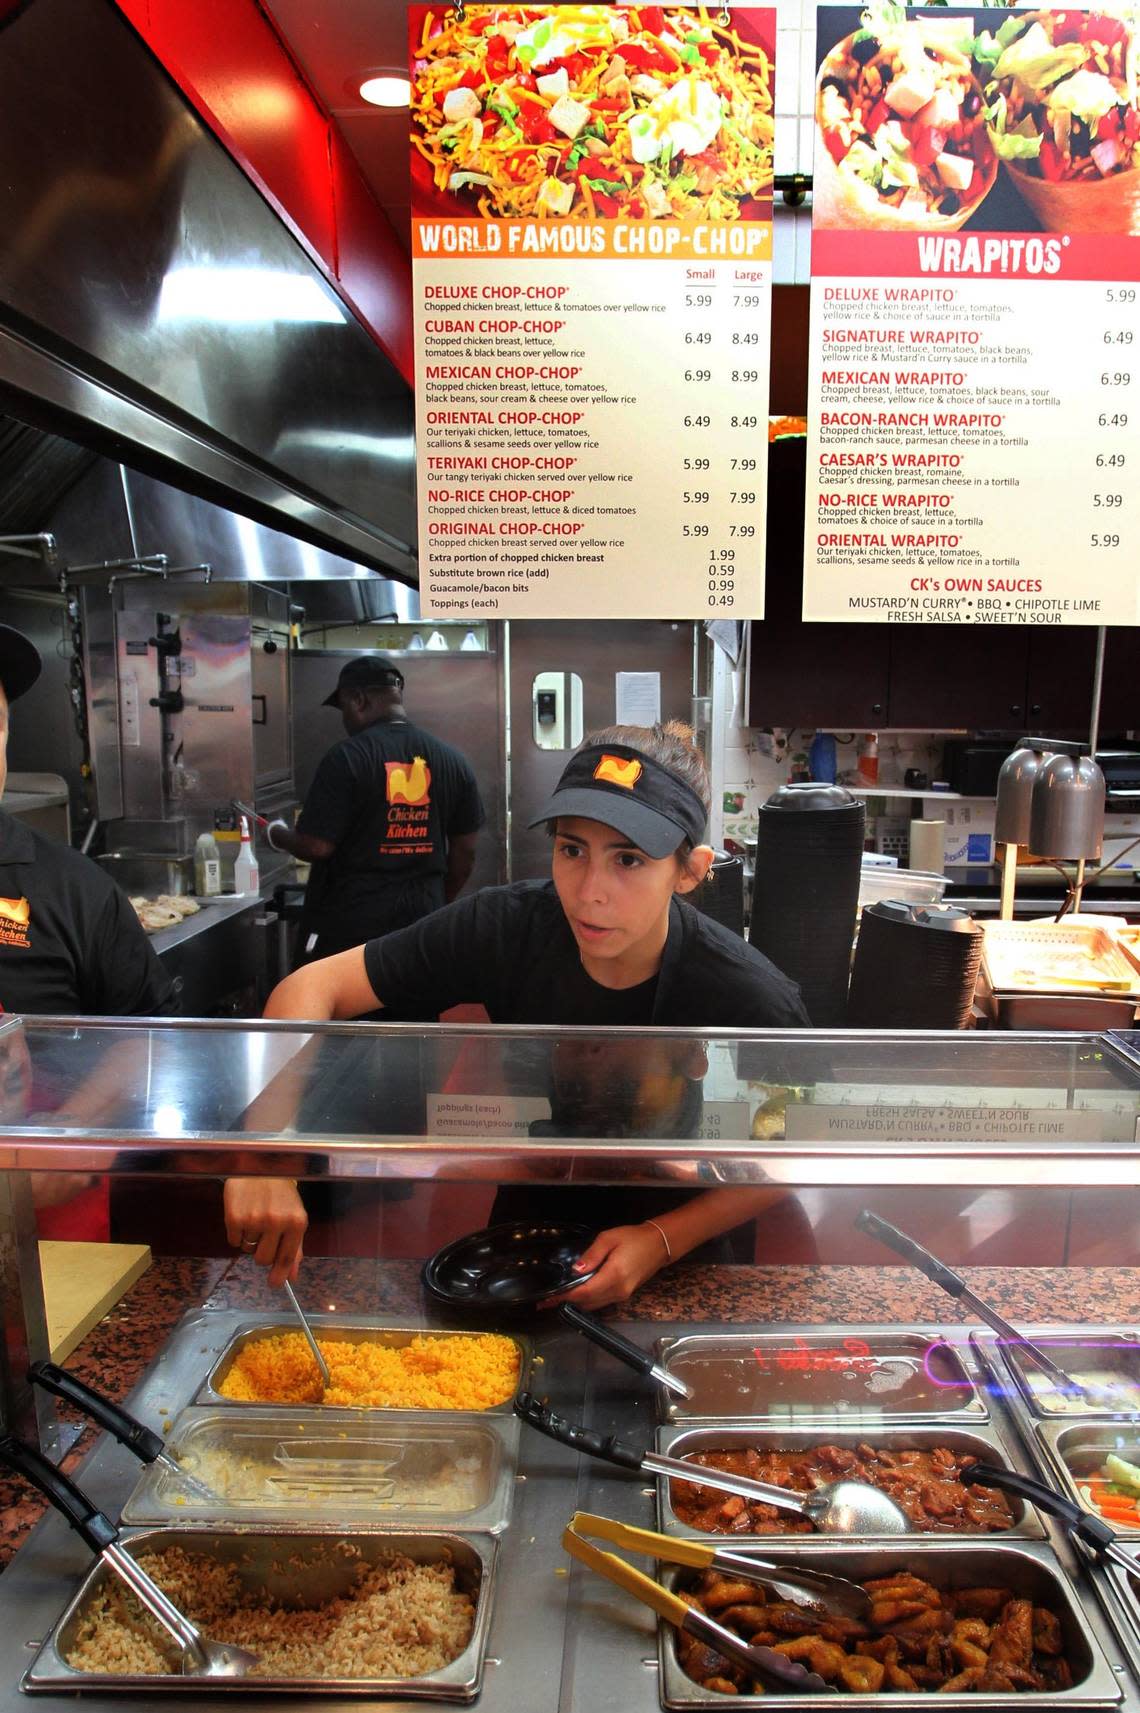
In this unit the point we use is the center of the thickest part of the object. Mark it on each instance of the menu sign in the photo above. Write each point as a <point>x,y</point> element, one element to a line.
<point>974,402</point>
<point>592,240</point>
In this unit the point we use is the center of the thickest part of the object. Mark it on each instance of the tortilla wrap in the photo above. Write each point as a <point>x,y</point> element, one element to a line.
<point>1081,205</point>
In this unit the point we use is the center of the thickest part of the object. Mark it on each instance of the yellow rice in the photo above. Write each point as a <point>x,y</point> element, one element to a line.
<point>467,1373</point>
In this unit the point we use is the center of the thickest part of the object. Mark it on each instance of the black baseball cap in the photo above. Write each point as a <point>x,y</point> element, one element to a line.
<point>370,672</point>
<point>623,788</point>
<point>20,662</point>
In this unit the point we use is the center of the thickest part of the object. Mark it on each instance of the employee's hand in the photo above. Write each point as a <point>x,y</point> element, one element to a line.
<point>266,1218</point>
<point>625,1257</point>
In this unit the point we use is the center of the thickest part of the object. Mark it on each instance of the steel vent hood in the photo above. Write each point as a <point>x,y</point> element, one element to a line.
<point>154,309</point>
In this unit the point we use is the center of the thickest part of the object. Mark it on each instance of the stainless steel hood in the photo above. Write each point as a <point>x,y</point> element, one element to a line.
<point>154,308</point>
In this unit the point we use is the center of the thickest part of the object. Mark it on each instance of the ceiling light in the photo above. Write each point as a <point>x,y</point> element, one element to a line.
<point>388,89</point>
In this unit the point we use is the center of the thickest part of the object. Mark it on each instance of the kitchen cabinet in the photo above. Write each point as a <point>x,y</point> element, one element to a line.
<point>926,1117</point>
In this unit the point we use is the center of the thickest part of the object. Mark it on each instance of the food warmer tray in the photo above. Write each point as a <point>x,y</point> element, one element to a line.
<point>986,1441</point>
<point>288,1565</point>
<point>1071,1449</point>
<point>860,1375</point>
<point>1030,1568</point>
<point>1119,1595</point>
<point>347,1467</point>
<point>1114,1350</point>
<point>359,1330</point>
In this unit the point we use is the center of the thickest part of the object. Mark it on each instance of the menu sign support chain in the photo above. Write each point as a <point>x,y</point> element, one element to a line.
<point>592,242</point>
<point>974,383</point>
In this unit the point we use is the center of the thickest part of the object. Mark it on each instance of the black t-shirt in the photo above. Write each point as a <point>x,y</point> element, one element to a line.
<point>510,949</point>
<point>389,798</point>
<point>70,942</point>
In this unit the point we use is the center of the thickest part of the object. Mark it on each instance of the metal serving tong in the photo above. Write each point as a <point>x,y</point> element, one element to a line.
<point>141,1441</point>
<point>835,1508</point>
<point>322,1365</point>
<point>773,1669</point>
<point>1093,1532</point>
<point>955,1286</point>
<point>200,1657</point>
<point>623,1348</point>
<point>820,1590</point>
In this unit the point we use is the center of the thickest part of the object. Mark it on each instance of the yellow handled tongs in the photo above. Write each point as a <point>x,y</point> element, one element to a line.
<point>774,1670</point>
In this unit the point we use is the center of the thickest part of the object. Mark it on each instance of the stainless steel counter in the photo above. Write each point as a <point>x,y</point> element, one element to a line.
<point>224,959</point>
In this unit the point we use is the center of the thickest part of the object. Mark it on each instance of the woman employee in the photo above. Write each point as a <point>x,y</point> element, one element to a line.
<point>606,941</point>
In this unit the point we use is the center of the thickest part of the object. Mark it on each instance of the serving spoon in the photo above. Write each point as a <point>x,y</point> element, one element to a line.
<point>835,1508</point>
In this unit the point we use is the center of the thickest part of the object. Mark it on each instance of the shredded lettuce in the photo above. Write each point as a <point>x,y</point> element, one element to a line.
<point>985,52</point>
<point>1023,143</point>
<point>883,16</point>
<point>1035,64</point>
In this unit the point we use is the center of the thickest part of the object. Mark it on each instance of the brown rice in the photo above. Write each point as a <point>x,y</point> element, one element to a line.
<point>399,1620</point>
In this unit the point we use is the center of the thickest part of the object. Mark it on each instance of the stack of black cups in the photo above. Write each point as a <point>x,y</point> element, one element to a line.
<point>721,895</point>
<point>916,966</point>
<point>809,849</point>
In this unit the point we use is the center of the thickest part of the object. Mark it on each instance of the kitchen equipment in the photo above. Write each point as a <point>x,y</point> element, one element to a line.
<point>140,1440</point>
<point>818,1589</point>
<point>908,885</point>
<point>809,845</point>
<point>200,1657</point>
<point>1092,1532</point>
<point>1106,1360</point>
<point>1014,788</point>
<point>916,967</point>
<point>624,1349</point>
<point>865,1377</point>
<point>274,1463</point>
<point>836,1508</point>
<point>721,893</point>
<point>955,1286</point>
<point>289,1569</point>
<point>322,1365</point>
<point>770,1668</point>
<point>1077,1453</point>
<point>1066,957</point>
<point>927,847</point>
<point>507,1270</point>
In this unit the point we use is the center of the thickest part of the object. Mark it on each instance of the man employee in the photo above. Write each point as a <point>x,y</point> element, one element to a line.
<point>390,820</point>
<point>70,942</point>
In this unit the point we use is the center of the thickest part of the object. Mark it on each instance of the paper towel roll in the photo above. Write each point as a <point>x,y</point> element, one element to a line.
<point>928,846</point>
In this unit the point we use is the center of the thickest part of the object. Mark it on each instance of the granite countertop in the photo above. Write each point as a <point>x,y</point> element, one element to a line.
<point>114,1356</point>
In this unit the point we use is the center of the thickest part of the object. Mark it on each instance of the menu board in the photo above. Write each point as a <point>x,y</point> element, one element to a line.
<point>974,394</point>
<point>592,242</point>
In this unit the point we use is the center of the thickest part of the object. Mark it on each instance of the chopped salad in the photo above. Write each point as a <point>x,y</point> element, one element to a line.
<point>623,112</point>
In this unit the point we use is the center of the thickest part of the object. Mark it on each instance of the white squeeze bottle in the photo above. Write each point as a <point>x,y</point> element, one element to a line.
<point>207,867</point>
<point>246,877</point>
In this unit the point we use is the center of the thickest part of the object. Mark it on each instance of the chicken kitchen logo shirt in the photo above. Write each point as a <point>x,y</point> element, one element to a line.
<point>15,920</point>
<point>408,784</point>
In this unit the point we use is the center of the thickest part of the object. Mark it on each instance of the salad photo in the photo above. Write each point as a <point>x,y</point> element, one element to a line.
<point>1063,116</point>
<point>901,136</point>
<point>583,112</point>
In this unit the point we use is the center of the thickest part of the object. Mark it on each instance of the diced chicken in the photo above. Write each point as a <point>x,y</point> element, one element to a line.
<point>554,197</point>
<point>656,198</point>
<point>910,90</point>
<point>613,71</point>
<point>554,83</point>
<point>596,146</point>
<point>569,116</point>
<point>619,27</point>
<point>955,171</point>
<point>940,112</point>
<point>645,85</point>
<point>461,104</point>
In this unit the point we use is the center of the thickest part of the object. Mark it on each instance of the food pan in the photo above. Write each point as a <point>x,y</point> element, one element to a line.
<point>1104,1356</point>
<point>294,1567</point>
<point>859,1375</point>
<point>983,1442</point>
<point>1028,1568</point>
<point>343,1467</point>
<point>348,1332</point>
<point>1119,1594</point>
<point>1072,1451</point>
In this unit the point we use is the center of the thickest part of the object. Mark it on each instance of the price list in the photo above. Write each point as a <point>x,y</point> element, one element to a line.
<point>974,395</point>
<point>592,440</point>
<point>592,380</point>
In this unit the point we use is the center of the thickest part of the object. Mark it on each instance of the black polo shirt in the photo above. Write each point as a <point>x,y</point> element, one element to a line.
<point>510,949</point>
<point>389,798</point>
<point>70,942</point>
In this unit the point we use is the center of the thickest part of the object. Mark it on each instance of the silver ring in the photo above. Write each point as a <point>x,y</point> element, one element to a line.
<point>250,1244</point>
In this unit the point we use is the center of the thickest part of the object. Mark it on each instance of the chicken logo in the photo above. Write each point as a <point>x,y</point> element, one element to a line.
<point>15,910</point>
<point>408,784</point>
<point>616,770</point>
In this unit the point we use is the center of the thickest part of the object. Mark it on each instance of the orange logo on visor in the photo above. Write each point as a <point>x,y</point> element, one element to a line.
<point>408,784</point>
<point>616,770</point>
<point>16,910</point>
